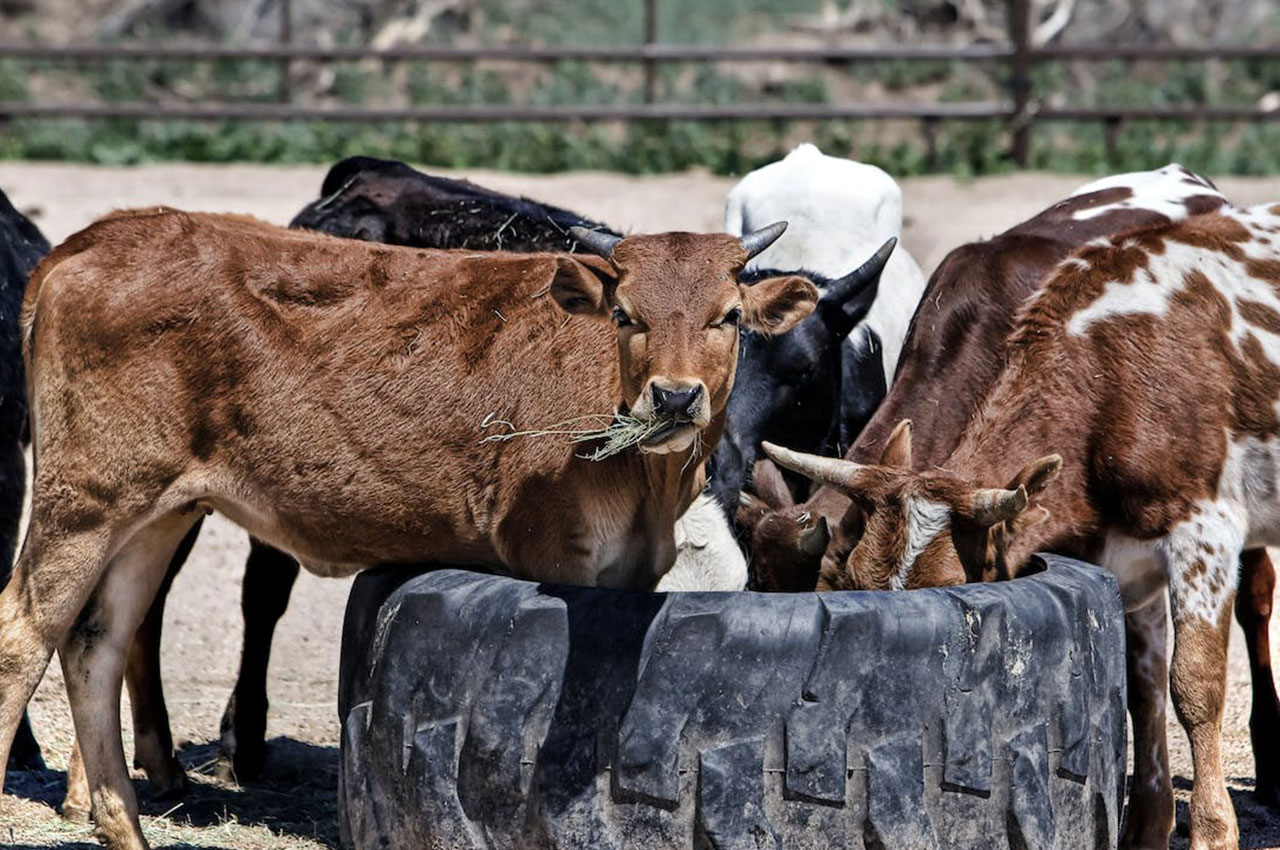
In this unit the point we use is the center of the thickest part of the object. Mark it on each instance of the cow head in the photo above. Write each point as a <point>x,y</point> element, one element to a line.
<point>787,540</point>
<point>908,529</point>
<point>788,386</point>
<point>678,308</point>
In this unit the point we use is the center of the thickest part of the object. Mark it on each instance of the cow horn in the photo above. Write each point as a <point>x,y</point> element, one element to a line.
<point>997,505</point>
<point>828,470</point>
<point>813,541</point>
<point>595,241</point>
<point>757,240</point>
<point>867,274</point>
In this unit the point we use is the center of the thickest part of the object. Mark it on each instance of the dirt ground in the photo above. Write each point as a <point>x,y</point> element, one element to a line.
<point>294,805</point>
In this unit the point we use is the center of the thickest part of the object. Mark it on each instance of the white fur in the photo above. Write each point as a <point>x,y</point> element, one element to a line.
<point>839,212</point>
<point>1152,288</point>
<point>1200,556</point>
<point>707,555</point>
<point>926,519</point>
<point>1164,190</point>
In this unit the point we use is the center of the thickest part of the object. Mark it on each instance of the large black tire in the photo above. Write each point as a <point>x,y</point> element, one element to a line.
<point>485,712</point>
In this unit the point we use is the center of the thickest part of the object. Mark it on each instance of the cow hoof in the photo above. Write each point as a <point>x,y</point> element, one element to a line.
<point>168,780</point>
<point>1267,792</point>
<point>74,812</point>
<point>242,762</point>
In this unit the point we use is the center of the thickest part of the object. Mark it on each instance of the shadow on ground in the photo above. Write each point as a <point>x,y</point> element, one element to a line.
<point>295,796</point>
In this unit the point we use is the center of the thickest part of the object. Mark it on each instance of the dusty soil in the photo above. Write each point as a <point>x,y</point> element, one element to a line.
<point>294,806</point>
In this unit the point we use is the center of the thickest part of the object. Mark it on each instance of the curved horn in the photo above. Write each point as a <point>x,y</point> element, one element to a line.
<point>867,274</point>
<point>757,240</point>
<point>595,241</point>
<point>998,505</point>
<point>813,541</point>
<point>828,470</point>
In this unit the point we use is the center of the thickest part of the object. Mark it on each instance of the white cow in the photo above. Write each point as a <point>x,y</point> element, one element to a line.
<point>838,212</point>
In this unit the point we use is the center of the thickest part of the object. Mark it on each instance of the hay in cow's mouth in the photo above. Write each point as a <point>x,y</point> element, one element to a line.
<point>620,432</point>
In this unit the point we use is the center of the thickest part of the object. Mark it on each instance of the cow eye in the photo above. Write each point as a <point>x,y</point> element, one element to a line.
<point>620,318</point>
<point>733,317</point>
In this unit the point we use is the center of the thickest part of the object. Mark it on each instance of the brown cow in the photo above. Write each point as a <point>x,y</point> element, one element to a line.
<point>1151,365</point>
<point>328,396</point>
<point>953,354</point>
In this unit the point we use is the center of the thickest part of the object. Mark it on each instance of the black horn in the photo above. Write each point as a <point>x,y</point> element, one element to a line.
<point>757,240</point>
<point>595,241</point>
<point>840,291</point>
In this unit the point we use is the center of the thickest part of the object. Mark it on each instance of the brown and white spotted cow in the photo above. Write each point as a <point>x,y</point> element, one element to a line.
<point>1149,365</point>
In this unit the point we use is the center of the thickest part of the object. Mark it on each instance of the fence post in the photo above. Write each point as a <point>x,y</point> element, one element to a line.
<point>1020,78</point>
<point>650,37</point>
<point>286,38</point>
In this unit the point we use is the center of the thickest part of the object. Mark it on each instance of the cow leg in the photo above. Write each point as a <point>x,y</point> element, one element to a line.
<point>269,575</point>
<point>25,752</point>
<point>1201,557</point>
<point>54,576</point>
<point>93,663</point>
<point>1253,612</point>
<point>1151,812</point>
<point>152,737</point>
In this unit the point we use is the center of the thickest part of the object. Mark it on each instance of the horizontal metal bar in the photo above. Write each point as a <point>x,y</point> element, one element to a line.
<point>618,112</point>
<point>1156,113</point>
<point>502,112</point>
<point>511,53</point>
<point>635,53</point>
<point>1152,52</point>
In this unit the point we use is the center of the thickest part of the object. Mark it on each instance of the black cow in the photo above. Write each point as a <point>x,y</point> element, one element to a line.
<point>378,200</point>
<point>21,247</point>
<point>790,386</point>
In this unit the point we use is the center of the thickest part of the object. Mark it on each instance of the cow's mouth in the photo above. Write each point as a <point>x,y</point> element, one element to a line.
<point>669,429</point>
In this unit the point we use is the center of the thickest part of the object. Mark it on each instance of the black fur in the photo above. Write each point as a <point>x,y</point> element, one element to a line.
<point>21,247</point>
<point>789,388</point>
<point>378,200</point>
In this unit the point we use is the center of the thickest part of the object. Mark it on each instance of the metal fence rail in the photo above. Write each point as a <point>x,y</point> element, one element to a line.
<point>1021,110</point>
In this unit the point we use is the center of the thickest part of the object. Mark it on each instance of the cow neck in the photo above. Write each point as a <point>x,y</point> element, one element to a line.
<point>1031,412</point>
<point>674,480</point>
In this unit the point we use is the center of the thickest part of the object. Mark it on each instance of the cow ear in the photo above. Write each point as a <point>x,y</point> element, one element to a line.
<point>769,485</point>
<point>1029,518</point>
<point>777,304</point>
<point>583,285</point>
<point>1037,475</point>
<point>897,449</point>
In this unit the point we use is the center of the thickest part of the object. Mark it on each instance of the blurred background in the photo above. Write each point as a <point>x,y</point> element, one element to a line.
<point>967,87</point>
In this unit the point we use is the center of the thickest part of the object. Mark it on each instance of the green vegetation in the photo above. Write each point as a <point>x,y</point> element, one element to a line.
<point>966,148</point>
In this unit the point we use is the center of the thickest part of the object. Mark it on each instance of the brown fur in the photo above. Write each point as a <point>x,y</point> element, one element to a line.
<point>329,396</point>
<point>952,354</point>
<point>1141,405</point>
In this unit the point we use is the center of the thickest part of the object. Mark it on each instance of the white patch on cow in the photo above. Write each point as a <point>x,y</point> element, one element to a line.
<point>707,555</point>
<point>926,519</point>
<point>1133,563</point>
<point>1164,191</point>
<point>1201,556</point>
<point>1152,288</point>
<point>839,213</point>
<point>1250,479</point>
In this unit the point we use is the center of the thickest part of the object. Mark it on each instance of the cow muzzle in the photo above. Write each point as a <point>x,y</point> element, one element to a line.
<point>682,409</point>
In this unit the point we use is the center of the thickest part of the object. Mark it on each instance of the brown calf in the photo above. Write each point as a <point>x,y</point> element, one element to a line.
<point>951,357</point>
<point>328,396</point>
<point>1151,366</point>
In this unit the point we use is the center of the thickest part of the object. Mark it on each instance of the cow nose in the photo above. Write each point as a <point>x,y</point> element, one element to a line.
<point>676,404</point>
